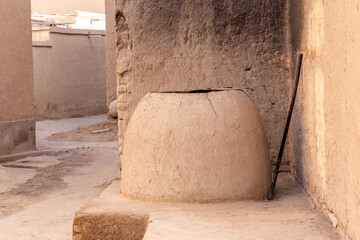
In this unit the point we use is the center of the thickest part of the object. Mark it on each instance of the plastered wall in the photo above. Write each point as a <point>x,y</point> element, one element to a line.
<point>66,6</point>
<point>111,93</point>
<point>17,127</point>
<point>186,44</point>
<point>16,73</point>
<point>70,74</point>
<point>326,127</point>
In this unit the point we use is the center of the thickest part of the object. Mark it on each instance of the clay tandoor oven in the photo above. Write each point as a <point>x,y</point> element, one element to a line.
<point>200,146</point>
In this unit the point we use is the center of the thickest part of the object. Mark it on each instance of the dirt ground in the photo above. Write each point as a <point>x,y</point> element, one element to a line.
<point>40,194</point>
<point>101,132</point>
<point>290,215</point>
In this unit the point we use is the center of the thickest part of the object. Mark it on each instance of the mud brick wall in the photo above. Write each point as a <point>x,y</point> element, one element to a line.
<point>172,45</point>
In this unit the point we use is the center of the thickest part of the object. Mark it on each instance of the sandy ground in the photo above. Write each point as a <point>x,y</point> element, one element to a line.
<point>39,195</point>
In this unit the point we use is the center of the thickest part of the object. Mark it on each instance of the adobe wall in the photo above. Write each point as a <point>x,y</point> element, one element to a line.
<point>69,73</point>
<point>17,126</point>
<point>186,44</point>
<point>110,52</point>
<point>326,127</point>
<point>66,6</point>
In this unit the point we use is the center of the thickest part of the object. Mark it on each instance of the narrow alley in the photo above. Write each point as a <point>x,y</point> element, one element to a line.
<point>40,194</point>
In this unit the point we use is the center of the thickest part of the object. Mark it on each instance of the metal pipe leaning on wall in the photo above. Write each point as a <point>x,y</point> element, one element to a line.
<point>278,163</point>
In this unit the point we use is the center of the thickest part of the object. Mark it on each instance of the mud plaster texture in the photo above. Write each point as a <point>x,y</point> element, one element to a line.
<point>16,72</point>
<point>17,127</point>
<point>70,75</point>
<point>17,136</point>
<point>195,147</point>
<point>185,45</point>
<point>326,130</point>
<point>111,93</point>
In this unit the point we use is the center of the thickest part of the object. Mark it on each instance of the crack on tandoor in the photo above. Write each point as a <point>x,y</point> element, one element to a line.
<point>211,104</point>
<point>158,175</point>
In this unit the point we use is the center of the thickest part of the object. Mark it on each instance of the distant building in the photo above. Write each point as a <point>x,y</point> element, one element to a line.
<point>66,6</point>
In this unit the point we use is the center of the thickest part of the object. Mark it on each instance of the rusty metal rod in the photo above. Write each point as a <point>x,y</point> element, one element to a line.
<point>278,163</point>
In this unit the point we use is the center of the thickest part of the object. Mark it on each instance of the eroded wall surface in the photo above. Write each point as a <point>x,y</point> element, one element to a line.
<point>186,44</point>
<point>66,6</point>
<point>110,52</point>
<point>326,127</point>
<point>17,126</point>
<point>70,75</point>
